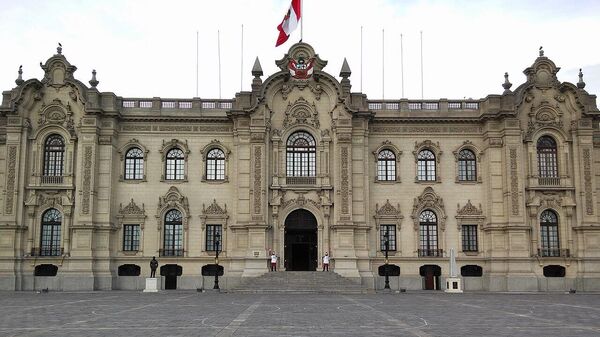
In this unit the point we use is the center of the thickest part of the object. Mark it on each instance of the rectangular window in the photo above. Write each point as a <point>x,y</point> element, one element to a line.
<point>390,230</point>
<point>211,232</point>
<point>131,238</point>
<point>469,238</point>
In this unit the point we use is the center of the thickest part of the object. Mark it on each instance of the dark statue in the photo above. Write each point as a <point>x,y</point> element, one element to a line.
<point>153,266</point>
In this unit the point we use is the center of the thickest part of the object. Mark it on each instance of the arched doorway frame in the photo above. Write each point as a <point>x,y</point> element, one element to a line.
<point>322,229</point>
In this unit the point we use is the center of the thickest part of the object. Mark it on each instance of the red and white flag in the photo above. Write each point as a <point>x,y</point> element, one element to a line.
<point>289,23</point>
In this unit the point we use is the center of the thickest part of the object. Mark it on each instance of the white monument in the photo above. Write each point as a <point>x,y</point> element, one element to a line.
<point>453,283</point>
<point>151,285</point>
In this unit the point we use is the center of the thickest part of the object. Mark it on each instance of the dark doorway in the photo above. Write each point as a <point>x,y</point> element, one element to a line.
<point>431,276</point>
<point>170,272</point>
<point>300,241</point>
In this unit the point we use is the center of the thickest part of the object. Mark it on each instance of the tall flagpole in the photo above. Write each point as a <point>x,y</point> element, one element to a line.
<point>301,21</point>
<point>219,54</point>
<point>242,61</point>
<point>422,65</point>
<point>402,64</point>
<point>196,63</point>
<point>383,64</point>
<point>361,57</point>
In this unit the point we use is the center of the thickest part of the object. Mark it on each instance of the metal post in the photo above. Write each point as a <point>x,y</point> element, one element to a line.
<point>387,248</point>
<point>217,237</point>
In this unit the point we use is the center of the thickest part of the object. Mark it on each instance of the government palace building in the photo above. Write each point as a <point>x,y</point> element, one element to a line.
<point>93,185</point>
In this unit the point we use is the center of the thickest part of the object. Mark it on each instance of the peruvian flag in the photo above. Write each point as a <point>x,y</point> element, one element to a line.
<point>289,23</point>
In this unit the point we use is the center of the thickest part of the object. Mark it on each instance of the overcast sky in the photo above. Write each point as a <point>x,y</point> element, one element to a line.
<point>148,48</point>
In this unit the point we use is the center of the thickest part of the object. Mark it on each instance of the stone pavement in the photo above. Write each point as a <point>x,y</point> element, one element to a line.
<point>177,313</point>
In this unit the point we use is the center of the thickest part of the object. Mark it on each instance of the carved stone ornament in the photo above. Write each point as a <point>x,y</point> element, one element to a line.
<point>429,200</point>
<point>300,202</point>
<point>429,145</point>
<point>57,113</point>
<point>469,209</point>
<point>542,73</point>
<point>301,112</point>
<point>388,210</point>
<point>173,199</point>
<point>133,142</point>
<point>168,145</point>
<point>214,209</point>
<point>543,116</point>
<point>215,143</point>
<point>132,209</point>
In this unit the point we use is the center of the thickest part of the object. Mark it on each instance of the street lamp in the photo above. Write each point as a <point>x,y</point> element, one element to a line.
<point>217,237</point>
<point>386,238</point>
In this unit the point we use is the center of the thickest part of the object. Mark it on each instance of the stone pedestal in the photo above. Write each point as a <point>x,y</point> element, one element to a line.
<point>453,285</point>
<point>151,285</point>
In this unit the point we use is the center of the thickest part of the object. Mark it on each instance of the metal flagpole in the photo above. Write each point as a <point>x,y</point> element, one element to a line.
<point>301,21</point>
<point>402,63</point>
<point>242,61</point>
<point>383,64</point>
<point>219,53</point>
<point>196,63</point>
<point>361,57</point>
<point>422,65</point>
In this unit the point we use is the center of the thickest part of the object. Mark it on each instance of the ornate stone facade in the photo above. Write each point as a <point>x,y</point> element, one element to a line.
<point>299,148</point>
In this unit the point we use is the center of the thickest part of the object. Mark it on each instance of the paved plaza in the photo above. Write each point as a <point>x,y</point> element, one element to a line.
<point>177,313</point>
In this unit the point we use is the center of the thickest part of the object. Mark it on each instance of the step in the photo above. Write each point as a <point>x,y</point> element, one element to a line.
<point>299,282</point>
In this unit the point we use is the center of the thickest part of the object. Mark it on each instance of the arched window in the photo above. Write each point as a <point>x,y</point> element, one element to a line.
<point>50,241</point>
<point>549,234</point>
<point>301,155</point>
<point>173,236</point>
<point>134,164</point>
<point>467,166</point>
<point>426,166</point>
<point>386,166</point>
<point>428,234</point>
<point>215,165</point>
<point>54,155</point>
<point>175,165</point>
<point>547,159</point>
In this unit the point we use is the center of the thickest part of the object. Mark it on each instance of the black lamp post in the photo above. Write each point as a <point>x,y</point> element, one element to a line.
<point>386,238</point>
<point>217,237</point>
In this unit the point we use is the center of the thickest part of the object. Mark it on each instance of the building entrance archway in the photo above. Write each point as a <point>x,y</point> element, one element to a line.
<point>300,241</point>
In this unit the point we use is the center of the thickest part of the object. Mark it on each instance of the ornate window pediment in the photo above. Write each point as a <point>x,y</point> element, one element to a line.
<point>469,214</point>
<point>427,158</point>
<point>134,165</point>
<point>387,163</point>
<point>301,112</point>
<point>214,214</point>
<point>175,168</point>
<point>173,199</point>
<point>57,113</point>
<point>544,116</point>
<point>129,218</point>
<point>388,214</point>
<point>216,158</point>
<point>467,158</point>
<point>429,200</point>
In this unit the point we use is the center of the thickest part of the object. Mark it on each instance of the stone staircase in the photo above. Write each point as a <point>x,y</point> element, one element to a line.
<point>300,282</point>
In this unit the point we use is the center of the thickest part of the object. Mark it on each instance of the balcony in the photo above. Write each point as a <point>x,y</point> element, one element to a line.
<point>170,252</point>
<point>553,252</point>
<point>431,252</point>
<point>300,180</point>
<point>51,180</point>
<point>549,181</point>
